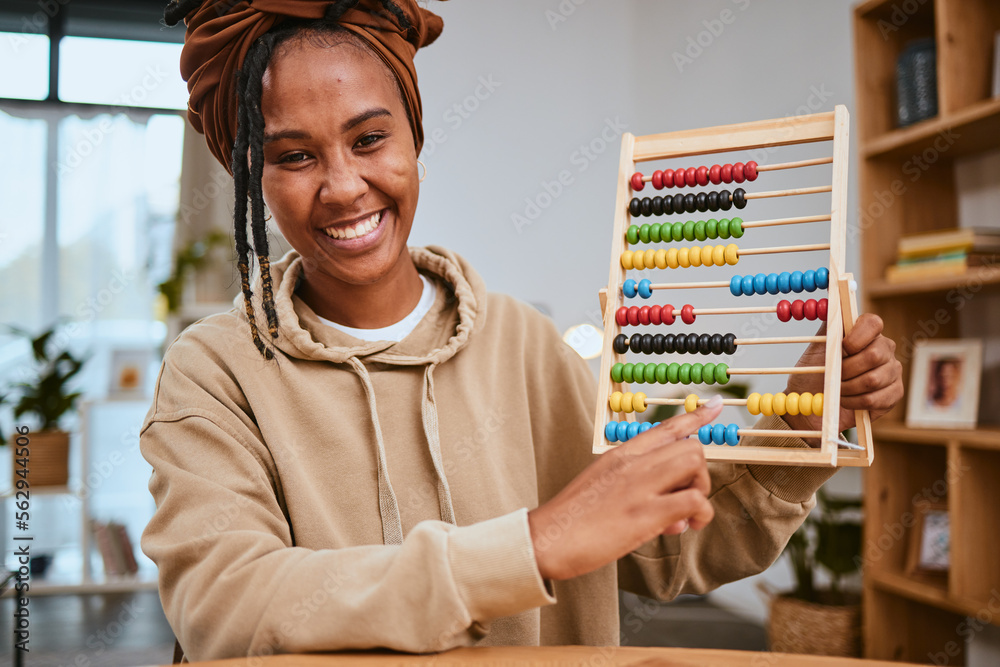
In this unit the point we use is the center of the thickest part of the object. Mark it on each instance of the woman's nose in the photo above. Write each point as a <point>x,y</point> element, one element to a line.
<point>344,183</point>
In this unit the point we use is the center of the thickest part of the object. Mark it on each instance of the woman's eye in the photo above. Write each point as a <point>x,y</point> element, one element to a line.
<point>370,140</point>
<point>294,157</point>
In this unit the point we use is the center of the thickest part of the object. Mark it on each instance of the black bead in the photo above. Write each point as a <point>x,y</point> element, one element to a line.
<point>619,344</point>
<point>647,343</point>
<point>705,343</point>
<point>658,344</point>
<point>657,205</point>
<point>717,343</point>
<point>668,204</point>
<point>690,203</point>
<point>635,343</point>
<point>634,207</point>
<point>725,200</point>
<point>669,343</point>
<point>646,205</point>
<point>691,343</point>
<point>730,343</point>
<point>740,198</point>
<point>701,201</point>
<point>713,201</point>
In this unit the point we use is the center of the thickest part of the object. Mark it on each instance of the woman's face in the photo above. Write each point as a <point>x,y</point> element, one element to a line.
<point>340,171</point>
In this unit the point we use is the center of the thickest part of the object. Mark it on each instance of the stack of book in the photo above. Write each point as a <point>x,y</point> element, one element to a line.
<point>113,542</point>
<point>949,252</point>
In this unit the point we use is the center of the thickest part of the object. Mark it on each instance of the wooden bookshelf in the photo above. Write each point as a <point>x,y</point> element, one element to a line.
<point>907,186</point>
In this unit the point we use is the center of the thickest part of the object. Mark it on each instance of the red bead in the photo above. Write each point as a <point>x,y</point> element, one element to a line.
<point>655,314</point>
<point>821,309</point>
<point>715,174</point>
<point>637,183</point>
<point>667,314</point>
<point>701,173</point>
<point>727,173</point>
<point>658,179</point>
<point>621,316</point>
<point>798,309</point>
<point>687,314</point>
<point>784,310</point>
<point>751,171</point>
<point>809,309</point>
<point>691,176</point>
<point>738,174</point>
<point>633,315</point>
<point>668,178</point>
<point>644,315</point>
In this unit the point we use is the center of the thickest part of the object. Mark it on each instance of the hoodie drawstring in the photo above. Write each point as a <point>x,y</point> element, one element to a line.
<point>428,409</point>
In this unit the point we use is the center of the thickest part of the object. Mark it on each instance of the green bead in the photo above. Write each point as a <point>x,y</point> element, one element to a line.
<point>654,232</point>
<point>639,372</point>
<point>644,233</point>
<point>673,373</point>
<point>627,372</point>
<point>649,374</point>
<point>708,375</point>
<point>677,231</point>
<point>712,228</point>
<point>661,373</point>
<point>724,228</point>
<point>689,230</point>
<point>616,372</point>
<point>696,370</point>
<point>685,374</point>
<point>632,234</point>
<point>699,230</point>
<point>722,373</point>
<point>736,227</point>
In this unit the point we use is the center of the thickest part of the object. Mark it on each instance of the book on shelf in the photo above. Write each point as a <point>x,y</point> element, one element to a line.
<point>115,547</point>
<point>982,240</point>
<point>949,264</point>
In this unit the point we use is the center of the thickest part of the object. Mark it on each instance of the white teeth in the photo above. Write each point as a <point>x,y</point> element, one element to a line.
<point>355,231</point>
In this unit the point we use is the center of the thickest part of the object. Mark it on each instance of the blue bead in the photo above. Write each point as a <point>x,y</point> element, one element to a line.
<point>785,282</point>
<point>772,283</point>
<point>748,285</point>
<point>611,431</point>
<point>655,424</point>
<point>629,288</point>
<point>823,277</point>
<point>760,283</point>
<point>796,281</point>
<point>736,285</point>
<point>809,281</point>
<point>732,437</point>
<point>622,431</point>
<point>719,433</point>
<point>705,434</point>
<point>645,427</point>
<point>645,288</point>
<point>633,429</point>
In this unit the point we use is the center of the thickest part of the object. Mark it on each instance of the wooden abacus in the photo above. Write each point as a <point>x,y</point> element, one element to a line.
<point>839,308</point>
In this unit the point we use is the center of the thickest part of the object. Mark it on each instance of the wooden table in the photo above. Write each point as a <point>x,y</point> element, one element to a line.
<point>553,656</point>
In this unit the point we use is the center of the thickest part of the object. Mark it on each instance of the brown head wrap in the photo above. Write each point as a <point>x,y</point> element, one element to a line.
<point>220,32</point>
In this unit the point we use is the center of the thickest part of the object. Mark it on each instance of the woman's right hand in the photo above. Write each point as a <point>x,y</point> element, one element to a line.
<point>655,484</point>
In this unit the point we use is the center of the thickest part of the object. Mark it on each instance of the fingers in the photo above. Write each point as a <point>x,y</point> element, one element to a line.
<point>879,352</point>
<point>880,400</point>
<point>690,505</point>
<point>876,377</point>
<point>672,430</point>
<point>866,329</point>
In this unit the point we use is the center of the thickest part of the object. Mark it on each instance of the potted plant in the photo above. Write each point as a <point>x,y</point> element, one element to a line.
<point>813,620</point>
<point>45,397</point>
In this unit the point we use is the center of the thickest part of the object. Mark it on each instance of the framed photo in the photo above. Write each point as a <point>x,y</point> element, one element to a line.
<point>930,542</point>
<point>944,384</point>
<point>129,370</point>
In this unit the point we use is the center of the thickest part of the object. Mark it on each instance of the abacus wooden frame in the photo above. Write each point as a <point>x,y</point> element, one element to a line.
<point>829,126</point>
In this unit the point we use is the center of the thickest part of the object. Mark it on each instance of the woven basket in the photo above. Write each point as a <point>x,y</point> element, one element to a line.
<point>796,626</point>
<point>48,460</point>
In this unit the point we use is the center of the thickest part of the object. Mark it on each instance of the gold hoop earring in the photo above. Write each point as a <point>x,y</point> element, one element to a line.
<point>425,171</point>
<point>267,217</point>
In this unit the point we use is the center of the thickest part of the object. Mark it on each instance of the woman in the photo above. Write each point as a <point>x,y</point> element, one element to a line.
<point>361,476</point>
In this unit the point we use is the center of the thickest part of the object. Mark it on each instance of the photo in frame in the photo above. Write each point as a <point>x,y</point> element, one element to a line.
<point>944,384</point>
<point>930,542</point>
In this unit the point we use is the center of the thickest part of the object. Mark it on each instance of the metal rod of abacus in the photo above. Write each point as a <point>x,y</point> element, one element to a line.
<point>795,165</point>
<point>788,370</point>
<point>785,221</point>
<point>785,248</point>
<point>789,193</point>
<point>770,433</point>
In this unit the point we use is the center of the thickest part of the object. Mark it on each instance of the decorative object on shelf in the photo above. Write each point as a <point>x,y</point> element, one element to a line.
<point>191,257</point>
<point>916,83</point>
<point>129,369</point>
<point>996,64</point>
<point>944,384</point>
<point>115,547</point>
<point>830,539</point>
<point>46,397</point>
<point>39,565</point>
<point>930,541</point>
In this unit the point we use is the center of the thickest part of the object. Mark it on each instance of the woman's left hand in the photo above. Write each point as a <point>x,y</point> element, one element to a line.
<point>871,376</point>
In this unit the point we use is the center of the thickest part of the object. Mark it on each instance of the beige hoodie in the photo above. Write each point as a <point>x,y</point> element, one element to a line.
<point>354,494</point>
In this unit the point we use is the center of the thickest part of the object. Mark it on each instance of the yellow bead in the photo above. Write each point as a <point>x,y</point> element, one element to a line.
<point>707,254</point>
<point>673,260</point>
<point>627,402</point>
<point>649,259</point>
<point>778,404</point>
<point>637,260</point>
<point>818,405</point>
<point>732,254</point>
<point>639,402</point>
<point>691,403</point>
<point>682,258</point>
<point>695,256</point>
<point>627,259</point>
<point>660,259</point>
<point>792,404</point>
<point>806,403</point>
<point>719,255</point>
<point>615,401</point>
<point>767,405</point>
<point>753,403</point>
